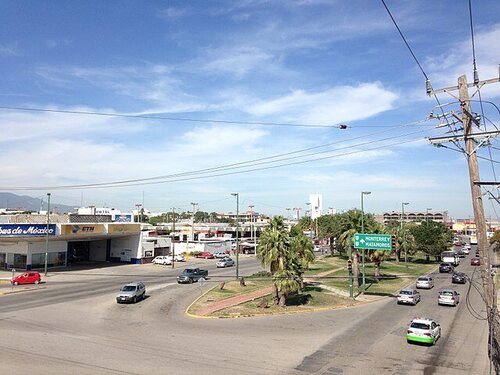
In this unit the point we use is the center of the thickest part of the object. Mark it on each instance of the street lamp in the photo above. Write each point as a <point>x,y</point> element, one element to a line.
<point>237,195</point>
<point>427,214</point>
<point>139,212</point>
<point>192,219</point>
<point>363,193</point>
<point>251,220</point>
<point>172,241</point>
<point>47,233</point>
<point>288,213</point>
<point>403,204</point>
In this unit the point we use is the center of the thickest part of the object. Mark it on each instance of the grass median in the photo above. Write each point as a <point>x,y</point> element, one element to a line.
<point>312,298</point>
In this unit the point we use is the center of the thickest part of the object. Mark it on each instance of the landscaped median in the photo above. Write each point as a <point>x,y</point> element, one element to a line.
<point>255,299</point>
<point>326,287</point>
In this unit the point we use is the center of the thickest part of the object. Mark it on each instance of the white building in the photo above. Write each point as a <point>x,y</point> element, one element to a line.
<point>316,205</point>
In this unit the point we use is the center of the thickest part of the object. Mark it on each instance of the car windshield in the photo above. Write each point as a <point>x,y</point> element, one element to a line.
<point>419,325</point>
<point>128,288</point>
<point>406,292</point>
<point>445,264</point>
<point>423,279</point>
<point>446,293</point>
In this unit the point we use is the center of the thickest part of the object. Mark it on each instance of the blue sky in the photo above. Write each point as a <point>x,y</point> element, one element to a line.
<point>309,62</point>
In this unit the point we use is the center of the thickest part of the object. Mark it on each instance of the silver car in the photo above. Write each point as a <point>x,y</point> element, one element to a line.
<point>131,292</point>
<point>408,296</point>
<point>425,282</point>
<point>226,262</point>
<point>448,297</point>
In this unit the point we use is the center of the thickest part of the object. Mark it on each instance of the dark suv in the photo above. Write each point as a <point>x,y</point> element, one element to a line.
<point>458,278</point>
<point>445,268</point>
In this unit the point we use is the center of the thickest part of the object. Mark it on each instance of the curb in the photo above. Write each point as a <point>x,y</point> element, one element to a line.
<point>196,300</point>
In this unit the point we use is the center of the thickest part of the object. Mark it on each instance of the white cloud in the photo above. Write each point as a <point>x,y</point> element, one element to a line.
<point>9,50</point>
<point>446,68</point>
<point>238,61</point>
<point>335,105</point>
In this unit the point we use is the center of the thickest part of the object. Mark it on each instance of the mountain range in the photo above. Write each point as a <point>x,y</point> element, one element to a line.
<point>27,203</point>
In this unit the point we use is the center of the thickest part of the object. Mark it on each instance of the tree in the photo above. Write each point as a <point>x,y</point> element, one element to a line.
<point>288,255</point>
<point>273,252</point>
<point>329,227</point>
<point>431,238</point>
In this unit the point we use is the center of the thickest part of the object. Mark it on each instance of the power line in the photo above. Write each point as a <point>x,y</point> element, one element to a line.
<point>245,164</point>
<point>186,119</point>
<point>195,177</point>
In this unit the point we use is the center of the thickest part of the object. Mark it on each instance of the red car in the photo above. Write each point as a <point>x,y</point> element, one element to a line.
<point>475,262</point>
<point>27,278</point>
<point>206,255</point>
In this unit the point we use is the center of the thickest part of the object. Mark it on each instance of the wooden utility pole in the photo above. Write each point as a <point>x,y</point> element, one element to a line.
<point>477,197</point>
<point>471,146</point>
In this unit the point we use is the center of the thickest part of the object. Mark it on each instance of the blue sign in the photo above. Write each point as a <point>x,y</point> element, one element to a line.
<point>123,219</point>
<point>27,229</point>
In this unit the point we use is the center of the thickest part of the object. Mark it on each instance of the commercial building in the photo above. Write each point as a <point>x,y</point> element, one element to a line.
<point>70,239</point>
<point>412,216</point>
<point>316,205</point>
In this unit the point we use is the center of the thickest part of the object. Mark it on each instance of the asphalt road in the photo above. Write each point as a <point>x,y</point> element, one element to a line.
<point>75,326</point>
<point>377,343</point>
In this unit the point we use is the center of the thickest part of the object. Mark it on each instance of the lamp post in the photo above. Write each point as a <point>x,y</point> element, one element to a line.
<point>403,204</point>
<point>251,220</point>
<point>427,214</point>
<point>363,193</point>
<point>288,213</point>
<point>139,215</point>
<point>47,233</point>
<point>172,242</point>
<point>237,195</point>
<point>192,220</point>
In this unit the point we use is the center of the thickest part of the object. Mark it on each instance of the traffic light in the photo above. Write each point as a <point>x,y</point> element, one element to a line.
<point>394,241</point>
<point>349,265</point>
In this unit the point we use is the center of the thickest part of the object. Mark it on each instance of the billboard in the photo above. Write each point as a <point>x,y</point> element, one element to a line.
<point>27,229</point>
<point>122,218</point>
<point>124,228</point>
<point>73,229</point>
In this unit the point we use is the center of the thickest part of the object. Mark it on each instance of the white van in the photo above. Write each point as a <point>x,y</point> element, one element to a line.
<point>450,257</point>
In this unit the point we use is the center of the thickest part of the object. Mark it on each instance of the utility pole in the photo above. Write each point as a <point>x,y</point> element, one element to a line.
<point>490,297</point>
<point>47,233</point>
<point>192,226</point>
<point>251,220</point>
<point>237,195</point>
<point>363,193</point>
<point>403,204</point>
<point>172,242</point>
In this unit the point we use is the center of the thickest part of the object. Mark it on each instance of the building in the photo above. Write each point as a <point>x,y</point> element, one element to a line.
<point>316,205</point>
<point>412,216</point>
<point>68,240</point>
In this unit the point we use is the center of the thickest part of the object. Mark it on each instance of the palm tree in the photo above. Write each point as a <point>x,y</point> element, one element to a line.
<point>302,251</point>
<point>273,250</point>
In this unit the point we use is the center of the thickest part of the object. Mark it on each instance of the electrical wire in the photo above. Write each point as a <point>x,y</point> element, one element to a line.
<point>69,187</point>
<point>260,161</point>
<point>414,56</point>
<point>188,119</point>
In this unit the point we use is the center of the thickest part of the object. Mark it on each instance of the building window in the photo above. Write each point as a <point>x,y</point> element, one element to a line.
<point>53,259</point>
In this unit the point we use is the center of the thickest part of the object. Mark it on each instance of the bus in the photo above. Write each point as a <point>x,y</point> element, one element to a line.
<point>450,257</point>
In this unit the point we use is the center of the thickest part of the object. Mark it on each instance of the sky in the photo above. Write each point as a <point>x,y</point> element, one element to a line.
<point>247,97</point>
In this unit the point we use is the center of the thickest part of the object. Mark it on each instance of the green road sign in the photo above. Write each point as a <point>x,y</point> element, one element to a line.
<point>373,241</point>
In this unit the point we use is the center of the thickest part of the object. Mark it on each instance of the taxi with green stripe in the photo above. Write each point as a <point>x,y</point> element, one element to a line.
<point>423,330</point>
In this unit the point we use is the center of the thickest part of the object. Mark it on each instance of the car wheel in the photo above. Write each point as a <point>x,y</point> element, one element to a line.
<point>190,281</point>
<point>37,282</point>
<point>16,283</point>
<point>134,300</point>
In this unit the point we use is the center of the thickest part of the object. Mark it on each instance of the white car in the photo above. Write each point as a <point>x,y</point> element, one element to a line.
<point>425,282</point>
<point>423,330</point>
<point>179,258</point>
<point>448,297</point>
<point>220,255</point>
<point>408,296</point>
<point>163,260</point>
